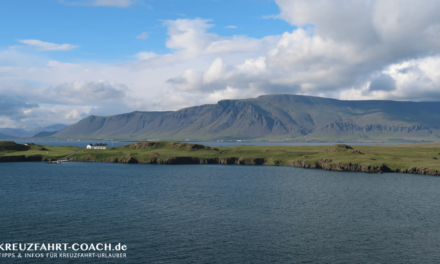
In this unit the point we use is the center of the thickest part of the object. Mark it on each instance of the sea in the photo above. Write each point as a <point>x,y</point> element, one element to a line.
<point>216,214</point>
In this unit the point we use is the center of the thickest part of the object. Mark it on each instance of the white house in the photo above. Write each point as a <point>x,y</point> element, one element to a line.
<point>97,146</point>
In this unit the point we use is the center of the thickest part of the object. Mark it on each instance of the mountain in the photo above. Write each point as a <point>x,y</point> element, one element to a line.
<point>14,132</point>
<point>2,136</point>
<point>271,117</point>
<point>55,127</point>
<point>49,130</point>
<point>44,134</point>
<point>22,133</point>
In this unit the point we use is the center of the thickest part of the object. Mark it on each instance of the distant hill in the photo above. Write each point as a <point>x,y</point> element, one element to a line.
<point>45,134</point>
<point>55,127</point>
<point>272,117</point>
<point>49,130</point>
<point>16,132</point>
<point>5,136</point>
<point>22,133</point>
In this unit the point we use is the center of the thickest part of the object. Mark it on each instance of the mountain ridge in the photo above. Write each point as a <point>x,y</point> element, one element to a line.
<point>271,117</point>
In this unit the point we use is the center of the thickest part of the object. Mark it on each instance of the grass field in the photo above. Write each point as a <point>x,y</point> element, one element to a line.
<point>9,148</point>
<point>414,158</point>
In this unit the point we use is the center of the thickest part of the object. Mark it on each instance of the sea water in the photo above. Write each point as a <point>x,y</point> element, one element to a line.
<point>221,213</point>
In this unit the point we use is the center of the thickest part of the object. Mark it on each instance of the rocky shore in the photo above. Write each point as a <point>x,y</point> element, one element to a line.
<point>322,164</point>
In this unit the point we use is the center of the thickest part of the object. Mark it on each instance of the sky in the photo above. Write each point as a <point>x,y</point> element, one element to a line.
<point>63,60</point>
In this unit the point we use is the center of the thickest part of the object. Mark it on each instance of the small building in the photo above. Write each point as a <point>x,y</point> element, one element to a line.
<point>97,146</point>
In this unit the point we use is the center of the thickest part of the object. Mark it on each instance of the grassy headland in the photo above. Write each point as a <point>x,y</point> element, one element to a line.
<point>409,158</point>
<point>10,152</point>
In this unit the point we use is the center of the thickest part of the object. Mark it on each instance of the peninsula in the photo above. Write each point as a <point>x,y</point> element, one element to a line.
<point>408,158</point>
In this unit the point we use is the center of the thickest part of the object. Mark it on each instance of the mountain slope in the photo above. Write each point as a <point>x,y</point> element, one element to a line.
<point>55,127</point>
<point>22,133</point>
<point>2,136</point>
<point>271,117</point>
<point>43,134</point>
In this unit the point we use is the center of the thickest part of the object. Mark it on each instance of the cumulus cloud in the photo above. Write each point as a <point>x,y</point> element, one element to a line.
<point>342,50</point>
<point>87,93</point>
<point>18,106</point>
<point>45,46</point>
<point>12,105</point>
<point>367,49</point>
<point>43,116</point>
<point>189,34</point>
<point>360,39</point>
<point>190,37</point>
<point>26,106</point>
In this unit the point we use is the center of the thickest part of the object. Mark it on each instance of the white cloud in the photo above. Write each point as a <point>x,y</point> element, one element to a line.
<point>231,26</point>
<point>57,114</point>
<point>365,49</point>
<point>26,106</point>
<point>143,35</point>
<point>189,34</point>
<point>354,41</point>
<point>270,17</point>
<point>345,50</point>
<point>86,93</point>
<point>145,55</point>
<point>45,46</point>
<point>215,72</point>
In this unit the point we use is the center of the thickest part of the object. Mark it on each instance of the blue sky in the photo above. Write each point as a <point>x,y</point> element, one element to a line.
<point>108,33</point>
<point>63,60</point>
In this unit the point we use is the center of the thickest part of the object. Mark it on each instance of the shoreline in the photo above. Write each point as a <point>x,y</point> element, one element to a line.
<point>322,164</point>
<point>409,158</point>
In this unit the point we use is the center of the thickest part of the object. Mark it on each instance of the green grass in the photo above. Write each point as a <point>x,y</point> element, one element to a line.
<point>393,156</point>
<point>9,148</point>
